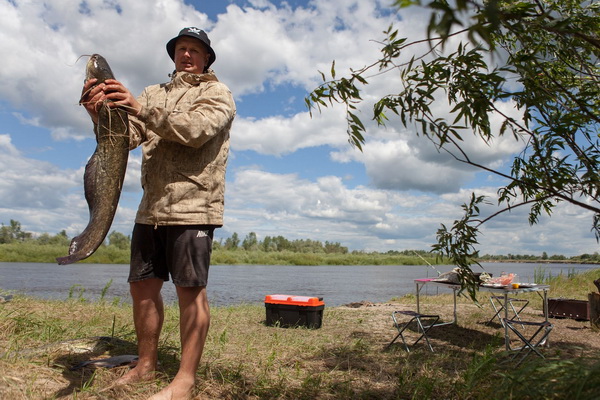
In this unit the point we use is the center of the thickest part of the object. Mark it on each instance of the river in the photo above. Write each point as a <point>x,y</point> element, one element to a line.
<point>237,284</point>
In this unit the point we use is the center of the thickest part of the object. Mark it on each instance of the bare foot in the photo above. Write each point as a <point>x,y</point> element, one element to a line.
<point>135,375</point>
<point>179,389</point>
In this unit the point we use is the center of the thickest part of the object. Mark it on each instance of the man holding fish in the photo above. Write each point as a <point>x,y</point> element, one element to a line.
<point>183,127</point>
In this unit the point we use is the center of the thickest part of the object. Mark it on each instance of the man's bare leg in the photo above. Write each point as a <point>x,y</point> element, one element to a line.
<point>148,317</point>
<point>194,320</point>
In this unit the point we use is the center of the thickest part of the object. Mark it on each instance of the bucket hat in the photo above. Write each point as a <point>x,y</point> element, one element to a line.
<point>196,34</point>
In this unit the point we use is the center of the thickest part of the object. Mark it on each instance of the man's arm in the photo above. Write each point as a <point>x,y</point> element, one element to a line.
<point>202,120</point>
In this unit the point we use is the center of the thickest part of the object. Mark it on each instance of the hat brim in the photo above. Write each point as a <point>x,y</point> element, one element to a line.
<point>172,42</point>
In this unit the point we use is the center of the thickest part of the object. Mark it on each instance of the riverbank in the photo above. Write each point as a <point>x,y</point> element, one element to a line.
<point>38,253</point>
<point>345,358</point>
<point>47,253</point>
<point>536,261</point>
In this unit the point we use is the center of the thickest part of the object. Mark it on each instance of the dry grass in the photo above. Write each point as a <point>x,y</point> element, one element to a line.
<point>244,359</point>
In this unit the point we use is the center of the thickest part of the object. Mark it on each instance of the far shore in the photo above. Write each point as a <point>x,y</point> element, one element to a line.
<point>542,261</point>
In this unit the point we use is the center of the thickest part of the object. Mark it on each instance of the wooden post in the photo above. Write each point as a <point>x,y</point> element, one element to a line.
<point>594,303</point>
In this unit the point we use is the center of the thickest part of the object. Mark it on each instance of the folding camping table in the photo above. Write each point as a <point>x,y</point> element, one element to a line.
<point>505,291</point>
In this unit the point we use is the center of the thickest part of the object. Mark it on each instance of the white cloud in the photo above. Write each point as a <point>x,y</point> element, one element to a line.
<point>42,196</point>
<point>35,193</point>
<point>394,159</point>
<point>279,135</point>
<point>260,48</point>
<point>27,183</point>
<point>42,43</point>
<point>374,219</point>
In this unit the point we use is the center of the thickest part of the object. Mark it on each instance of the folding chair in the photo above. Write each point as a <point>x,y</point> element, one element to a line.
<point>498,304</point>
<point>418,319</point>
<point>532,343</point>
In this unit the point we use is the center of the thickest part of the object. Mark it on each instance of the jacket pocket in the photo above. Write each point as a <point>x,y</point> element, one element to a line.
<point>189,191</point>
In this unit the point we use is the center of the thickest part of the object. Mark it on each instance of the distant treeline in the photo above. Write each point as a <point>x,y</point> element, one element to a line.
<point>17,245</point>
<point>583,258</point>
<point>278,243</point>
<point>13,233</point>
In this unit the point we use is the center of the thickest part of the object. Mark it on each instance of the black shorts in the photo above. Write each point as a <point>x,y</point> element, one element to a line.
<point>182,251</point>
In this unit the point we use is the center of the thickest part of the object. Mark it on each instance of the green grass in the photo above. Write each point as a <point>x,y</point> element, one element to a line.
<point>47,253</point>
<point>345,359</point>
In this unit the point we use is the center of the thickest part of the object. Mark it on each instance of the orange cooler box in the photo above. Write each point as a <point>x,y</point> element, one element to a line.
<point>287,310</point>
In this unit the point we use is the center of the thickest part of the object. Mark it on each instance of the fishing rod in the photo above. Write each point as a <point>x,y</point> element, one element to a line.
<point>434,268</point>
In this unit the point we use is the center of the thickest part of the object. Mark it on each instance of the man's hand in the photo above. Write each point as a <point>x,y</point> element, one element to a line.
<point>120,96</point>
<point>92,98</point>
<point>110,91</point>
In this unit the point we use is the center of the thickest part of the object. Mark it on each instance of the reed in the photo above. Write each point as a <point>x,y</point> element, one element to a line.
<point>294,258</point>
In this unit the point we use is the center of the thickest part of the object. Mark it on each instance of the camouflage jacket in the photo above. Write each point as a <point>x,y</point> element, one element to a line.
<point>183,129</point>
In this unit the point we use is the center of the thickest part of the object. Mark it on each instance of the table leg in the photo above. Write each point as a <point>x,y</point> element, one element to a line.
<point>418,304</point>
<point>455,318</point>
<point>547,343</point>
<point>546,304</point>
<point>506,338</point>
<point>546,311</point>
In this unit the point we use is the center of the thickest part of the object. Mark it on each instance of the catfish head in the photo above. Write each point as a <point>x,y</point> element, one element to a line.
<point>98,68</point>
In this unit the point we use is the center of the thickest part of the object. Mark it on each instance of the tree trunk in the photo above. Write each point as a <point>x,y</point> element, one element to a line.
<point>594,302</point>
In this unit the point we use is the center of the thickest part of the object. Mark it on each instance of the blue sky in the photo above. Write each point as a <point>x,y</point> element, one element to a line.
<point>289,174</point>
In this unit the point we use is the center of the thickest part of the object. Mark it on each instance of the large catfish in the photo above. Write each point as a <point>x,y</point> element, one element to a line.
<point>104,172</point>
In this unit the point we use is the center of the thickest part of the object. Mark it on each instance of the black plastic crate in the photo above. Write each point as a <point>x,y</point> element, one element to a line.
<point>292,311</point>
